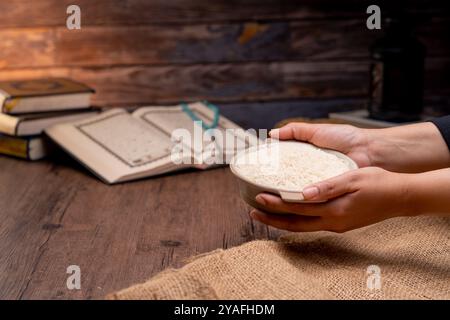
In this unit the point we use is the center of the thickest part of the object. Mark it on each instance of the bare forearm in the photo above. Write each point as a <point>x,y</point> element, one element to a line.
<point>429,193</point>
<point>411,148</point>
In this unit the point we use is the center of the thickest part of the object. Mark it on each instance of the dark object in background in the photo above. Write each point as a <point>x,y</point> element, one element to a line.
<point>397,74</point>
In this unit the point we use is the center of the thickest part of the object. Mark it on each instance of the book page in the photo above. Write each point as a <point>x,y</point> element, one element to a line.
<point>168,119</point>
<point>130,140</point>
<point>116,146</point>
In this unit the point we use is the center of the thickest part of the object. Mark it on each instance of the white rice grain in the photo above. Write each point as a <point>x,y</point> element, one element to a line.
<point>290,166</point>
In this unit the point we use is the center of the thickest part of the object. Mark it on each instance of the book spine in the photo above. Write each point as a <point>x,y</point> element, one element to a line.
<point>3,97</point>
<point>14,147</point>
<point>8,124</point>
<point>10,104</point>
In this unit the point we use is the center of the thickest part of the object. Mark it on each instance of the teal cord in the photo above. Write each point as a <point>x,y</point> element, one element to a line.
<point>194,117</point>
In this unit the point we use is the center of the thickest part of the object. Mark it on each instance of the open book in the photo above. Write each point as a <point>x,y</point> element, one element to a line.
<point>118,146</point>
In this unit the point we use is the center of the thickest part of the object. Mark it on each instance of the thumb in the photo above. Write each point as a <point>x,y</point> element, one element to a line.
<point>295,131</point>
<point>331,188</point>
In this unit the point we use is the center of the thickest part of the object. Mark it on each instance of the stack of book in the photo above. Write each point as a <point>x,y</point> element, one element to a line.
<point>28,107</point>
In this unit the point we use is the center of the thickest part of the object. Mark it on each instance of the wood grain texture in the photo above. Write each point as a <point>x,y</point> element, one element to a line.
<point>212,43</point>
<point>137,52</point>
<point>144,12</point>
<point>249,82</point>
<point>265,115</point>
<point>215,82</point>
<point>56,215</point>
<point>29,217</point>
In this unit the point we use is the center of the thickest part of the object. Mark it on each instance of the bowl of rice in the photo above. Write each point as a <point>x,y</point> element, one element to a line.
<point>285,168</point>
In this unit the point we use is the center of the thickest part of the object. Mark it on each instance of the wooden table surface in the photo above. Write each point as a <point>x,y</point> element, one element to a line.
<point>55,214</point>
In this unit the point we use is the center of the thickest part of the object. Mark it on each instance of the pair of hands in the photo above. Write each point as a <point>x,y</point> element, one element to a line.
<point>355,199</point>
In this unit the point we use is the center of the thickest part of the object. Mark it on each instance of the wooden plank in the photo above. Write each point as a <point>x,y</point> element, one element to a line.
<point>34,200</point>
<point>264,115</point>
<point>212,43</point>
<point>239,42</point>
<point>23,13</point>
<point>128,86</point>
<point>216,82</point>
<point>118,235</point>
<point>34,47</point>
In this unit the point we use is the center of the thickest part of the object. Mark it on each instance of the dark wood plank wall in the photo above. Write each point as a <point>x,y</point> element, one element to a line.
<point>247,53</point>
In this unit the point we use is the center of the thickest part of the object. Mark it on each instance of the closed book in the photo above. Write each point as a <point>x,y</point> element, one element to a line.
<point>30,148</point>
<point>34,124</point>
<point>43,95</point>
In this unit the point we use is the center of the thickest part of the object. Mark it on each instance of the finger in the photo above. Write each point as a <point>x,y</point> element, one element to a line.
<point>332,188</point>
<point>275,203</point>
<point>295,130</point>
<point>289,222</point>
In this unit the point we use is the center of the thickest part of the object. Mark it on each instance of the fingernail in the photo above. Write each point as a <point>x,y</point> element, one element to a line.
<point>274,133</point>
<point>260,200</point>
<point>310,192</point>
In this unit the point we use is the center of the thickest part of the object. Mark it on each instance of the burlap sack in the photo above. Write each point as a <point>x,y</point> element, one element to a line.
<point>413,255</point>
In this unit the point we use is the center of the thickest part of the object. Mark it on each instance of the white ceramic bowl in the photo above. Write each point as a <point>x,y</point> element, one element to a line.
<point>249,189</point>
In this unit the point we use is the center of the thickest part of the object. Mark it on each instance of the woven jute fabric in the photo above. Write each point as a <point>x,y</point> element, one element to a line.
<point>412,254</point>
